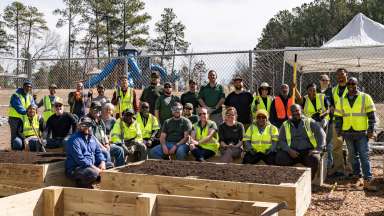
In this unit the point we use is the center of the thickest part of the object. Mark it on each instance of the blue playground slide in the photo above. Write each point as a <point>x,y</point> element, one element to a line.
<point>102,75</point>
<point>161,70</point>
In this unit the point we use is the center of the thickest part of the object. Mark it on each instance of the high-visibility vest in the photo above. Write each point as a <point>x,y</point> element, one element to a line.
<point>262,142</point>
<point>27,127</point>
<point>152,124</point>
<point>126,101</point>
<point>335,94</point>
<point>48,111</point>
<point>25,102</point>
<point>308,130</point>
<point>261,104</point>
<point>309,109</point>
<point>131,132</point>
<point>281,110</point>
<point>201,133</point>
<point>355,117</point>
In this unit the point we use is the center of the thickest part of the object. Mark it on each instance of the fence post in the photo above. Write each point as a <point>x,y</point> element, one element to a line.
<point>250,69</point>
<point>282,80</point>
<point>125,66</point>
<point>29,67</point>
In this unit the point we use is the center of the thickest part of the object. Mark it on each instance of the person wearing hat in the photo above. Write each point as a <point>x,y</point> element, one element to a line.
<point>101,95</point>
<point>241,100</point>
<point>149,126</point>
<point>48,102</point>
<point>164,103</point>
<point>78,101</point>
<point>174,136</point>
<point>19,102</point>
<point>191,96</point>
<point>188,113</point>
<point>127,134</point>
<point>59,126</point>
<point>263,100</point>
<point>152,92</point>
<point>30,133</point>
<point>85,160</point>
<point>261,140</point>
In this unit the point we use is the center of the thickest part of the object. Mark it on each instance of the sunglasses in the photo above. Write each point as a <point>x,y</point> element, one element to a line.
<point>58,105</point>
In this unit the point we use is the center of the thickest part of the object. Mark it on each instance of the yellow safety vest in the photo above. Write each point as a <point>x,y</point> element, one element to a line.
<point>261,104</point>
<point>355,117</point>
<point>335,94</point>
<point>152,124</point>
<point>48,112</point>
<point>261,142</point>
<point>25,102</point>
<point>213,143</point>
<point>131,132</point>
<point>308,130</point>
<point>309,109</point>
<point>126,100</point>
<point>27,127</point>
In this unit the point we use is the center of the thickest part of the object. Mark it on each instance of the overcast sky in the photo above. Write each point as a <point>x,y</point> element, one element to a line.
<point>212,25</point>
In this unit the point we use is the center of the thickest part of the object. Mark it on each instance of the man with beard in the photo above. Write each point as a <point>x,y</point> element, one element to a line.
<point>191,96</point>
<point>48,102</point>
<point>101,95</point>
<point>124,97</point>
<point>149,126</point>
<point>242,101</point>
<point>78,100</point>
<point>164,104</point>
<point>301,140</point>
<point>152,92</point>
<point>280,111</point>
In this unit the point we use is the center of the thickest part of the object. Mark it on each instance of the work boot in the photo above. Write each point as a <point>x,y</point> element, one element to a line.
<point>368,185</point>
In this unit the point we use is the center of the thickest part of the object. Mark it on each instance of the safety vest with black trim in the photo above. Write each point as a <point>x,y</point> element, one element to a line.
<point>126,100</point>
<point>201,133</point>
<point>309,109</point>
<point>308,130</point>
<point>48,107</point>
<point>133,132</point>
<point>355,117</point>
<point>25,102</point>
<point>281,110</point>
<point>28,128</point>
<point>262,142</point>
<point>261,104</point>
<point>152,125</point>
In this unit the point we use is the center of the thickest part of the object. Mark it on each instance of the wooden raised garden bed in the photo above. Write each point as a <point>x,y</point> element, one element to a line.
<point>59,201</point>
<point>25,171</point>
<point>214,180</point>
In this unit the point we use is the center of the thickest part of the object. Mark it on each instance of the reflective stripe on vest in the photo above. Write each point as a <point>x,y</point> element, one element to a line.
<point>261,104</point>
<point>131,132</point>
<point>263,142</point>
<point>355,117</point>
<point>127,99</point>
<point>281,110</point>
<point>335,94</point>
<point>152,124</point>
<point>48,112</point>
<point>309,109</point>
<point>27,127</point>
<point>212,144</point>
<point>25,102</point>
<point>308,130</point>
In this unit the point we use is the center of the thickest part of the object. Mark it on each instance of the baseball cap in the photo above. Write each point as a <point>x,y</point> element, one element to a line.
<point>155,74</point>
<point>188,106</point>
<point>96,105</point>
<point>53,86</point>
<point>85,122</point>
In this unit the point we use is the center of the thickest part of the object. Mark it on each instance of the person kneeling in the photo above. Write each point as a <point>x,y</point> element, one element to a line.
<point>260,140</point>
<point>301,140</point>
<point>204,143</point>
<point>85,161</point>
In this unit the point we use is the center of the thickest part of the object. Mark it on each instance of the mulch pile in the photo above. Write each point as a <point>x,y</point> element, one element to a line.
<point>212,171</point>
<point>22,157</point>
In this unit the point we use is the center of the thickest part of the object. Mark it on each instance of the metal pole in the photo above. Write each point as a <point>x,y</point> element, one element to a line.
<point>301,81</point>
<point>29,67</point>
<point>250,69</point>
<point>282,80</point>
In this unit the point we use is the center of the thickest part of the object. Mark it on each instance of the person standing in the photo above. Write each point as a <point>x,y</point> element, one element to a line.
<point>324,84</point>
<point>48,102</point>
<point>261,140</point>
<point>191,96</point>
<point>263,100</point>
<point>280,111</point>
<point>18,105</point>
<point>301,140</point>
<point>78,101</point>
<point>212,97</point>
<point>101,95</point>
<point>124,97</point>
<point>164,104</point>
<point>315,105</point>
<point>355,122</point>
<point>242,101</point>
<point>174,136</point>
<point>152,92</point>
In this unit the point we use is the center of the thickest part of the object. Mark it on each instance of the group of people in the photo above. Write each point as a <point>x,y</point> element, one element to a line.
<point>285,129</point>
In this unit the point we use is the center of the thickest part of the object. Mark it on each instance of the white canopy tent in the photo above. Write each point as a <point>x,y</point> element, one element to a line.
<point>358,47</point>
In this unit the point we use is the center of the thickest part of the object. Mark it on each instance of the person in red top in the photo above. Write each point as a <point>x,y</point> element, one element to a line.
<point>280,106</point>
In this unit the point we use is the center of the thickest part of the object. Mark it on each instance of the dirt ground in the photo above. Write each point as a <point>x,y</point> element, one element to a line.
<point>30,157</point>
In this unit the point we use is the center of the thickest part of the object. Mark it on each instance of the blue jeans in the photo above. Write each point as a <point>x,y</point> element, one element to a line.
<point>358,150</point>
<point>14,125</point>
<point>84,177</point>
<point>329,145</point>
<point>181,151</point>
<point>33,144</point>
<point>117,152</point>
<point>57,142</point>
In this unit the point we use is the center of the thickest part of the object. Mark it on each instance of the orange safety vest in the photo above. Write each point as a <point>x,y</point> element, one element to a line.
<point>281,110</point>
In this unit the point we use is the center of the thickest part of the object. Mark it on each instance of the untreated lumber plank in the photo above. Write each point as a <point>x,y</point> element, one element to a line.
<point>26,204</point>
<point>53,201</point>
<point>146,205</point>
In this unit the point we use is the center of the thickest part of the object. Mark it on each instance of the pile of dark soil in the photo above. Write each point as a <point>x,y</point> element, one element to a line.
<point>225,172</point>
<point>22,157</point>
